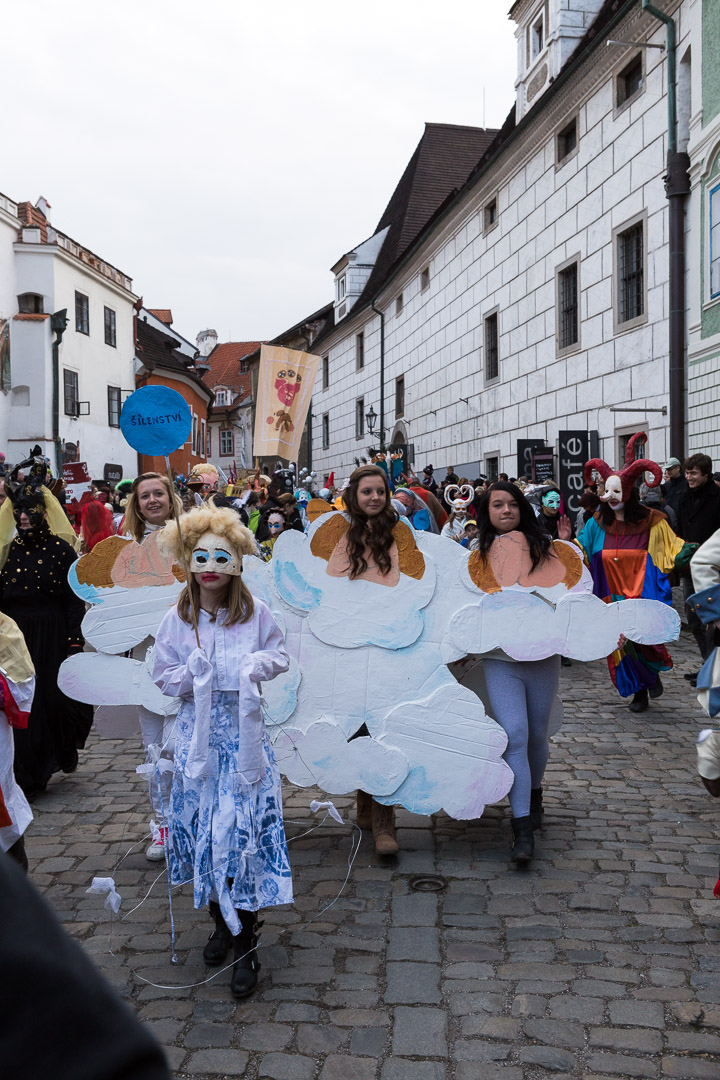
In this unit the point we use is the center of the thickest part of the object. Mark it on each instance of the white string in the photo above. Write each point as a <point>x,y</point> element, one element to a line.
<point>354,850</point>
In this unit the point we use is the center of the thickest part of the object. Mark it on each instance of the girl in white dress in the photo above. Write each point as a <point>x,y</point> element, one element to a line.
<point>226,830</point>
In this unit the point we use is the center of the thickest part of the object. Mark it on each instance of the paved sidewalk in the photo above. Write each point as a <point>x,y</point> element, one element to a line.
<point>603,960</point>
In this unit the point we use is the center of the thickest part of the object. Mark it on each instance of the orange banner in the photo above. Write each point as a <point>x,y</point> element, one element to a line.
<point>285,384</point>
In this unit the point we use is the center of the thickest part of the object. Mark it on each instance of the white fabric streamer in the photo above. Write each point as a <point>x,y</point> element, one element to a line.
<point>102,885</point>
<point>329,806</point>
<point>202,672</point>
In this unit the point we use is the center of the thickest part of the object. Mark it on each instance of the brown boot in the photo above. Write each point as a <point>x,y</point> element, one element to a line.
<point>383,827</point>
<point>364,810</point>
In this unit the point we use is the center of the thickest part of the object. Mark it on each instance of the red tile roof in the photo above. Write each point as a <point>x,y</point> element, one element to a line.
<point>224,363</point>
<point>164,314</point>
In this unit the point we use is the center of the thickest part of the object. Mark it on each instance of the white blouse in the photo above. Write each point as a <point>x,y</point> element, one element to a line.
<point>236,657</point>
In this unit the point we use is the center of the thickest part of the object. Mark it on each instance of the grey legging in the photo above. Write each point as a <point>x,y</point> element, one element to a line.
<point>521,699</point>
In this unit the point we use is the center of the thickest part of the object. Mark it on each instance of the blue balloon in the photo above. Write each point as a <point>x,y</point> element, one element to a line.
<point>156,420</point>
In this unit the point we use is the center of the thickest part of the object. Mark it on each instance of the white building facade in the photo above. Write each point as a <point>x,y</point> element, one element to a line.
<point>536,301</point>
<point>76,417</point>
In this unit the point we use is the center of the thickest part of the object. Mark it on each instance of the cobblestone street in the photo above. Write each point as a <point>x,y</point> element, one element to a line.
<point>602,960</point>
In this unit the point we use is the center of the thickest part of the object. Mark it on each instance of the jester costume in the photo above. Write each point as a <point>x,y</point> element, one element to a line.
<point>631,560</point>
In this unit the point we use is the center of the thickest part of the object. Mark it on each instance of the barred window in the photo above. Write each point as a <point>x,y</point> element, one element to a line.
<point>113,406</point>
<point>359,418</point>
<point>71,392</point>
<point>326,431</point>
<point>359,351</point>
<point>82,313</point>
<point>568,307</point>
<point>492,364</point>
<point>631,274</point>
<point>110,331</point>
<point>400,396</point>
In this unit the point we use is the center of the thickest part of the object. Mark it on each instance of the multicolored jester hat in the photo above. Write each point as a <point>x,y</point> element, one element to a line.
<point>369,651</point>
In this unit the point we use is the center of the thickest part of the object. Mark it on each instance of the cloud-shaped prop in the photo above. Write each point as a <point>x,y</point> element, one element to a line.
<point>322,756</point>
<point>528,627</point>
<point>350,614</point>
<point>113,680</point>
<point>455,758</point>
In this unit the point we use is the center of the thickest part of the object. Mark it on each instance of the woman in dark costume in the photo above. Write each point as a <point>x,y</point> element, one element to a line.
<point>34,591</point>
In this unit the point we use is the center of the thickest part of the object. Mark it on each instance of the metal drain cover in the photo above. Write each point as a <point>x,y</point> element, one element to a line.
<point>427,883</point>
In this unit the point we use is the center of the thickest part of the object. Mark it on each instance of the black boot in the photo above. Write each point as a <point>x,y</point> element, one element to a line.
<point>536,808</point>
<point>219,942</point>
<point>657,690</point>
<point>523,840</point>
<point>639,702</point>
<point>246,966</point>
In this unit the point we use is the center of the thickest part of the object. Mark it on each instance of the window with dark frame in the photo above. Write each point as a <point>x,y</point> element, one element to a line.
<point>425,279</point>
<point>537,37</point>
<point>399,302</point>
<point>400,396</point>
<point>114,406</point>
<point>492,365</point>
<point>631,274</point>
<point>326,431</point>
<point>715,242</point>
<point>209,442</point>
<point>31,303</point>
<point>359,351</point>
<point>82,313</point>
<point>359,418</point>
<point>194,443</point>
<point>226,442</point>
<point>325,372</point>
<point>629,81</point>
<point>71,392</point>
<point>489,214</point>
<point>568,328</point>
<point>491,468</point>
<point>244,367</point>
<point>110,334</point>
<point>567,140</point>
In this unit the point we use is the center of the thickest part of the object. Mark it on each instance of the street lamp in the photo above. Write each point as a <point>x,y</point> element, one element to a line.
<point>370,419</point>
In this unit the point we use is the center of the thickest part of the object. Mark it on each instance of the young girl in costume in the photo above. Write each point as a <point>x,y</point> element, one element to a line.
<point>521,693</point>
<point>149,507</point>
<point>367,549</point>
<point>226,830</point>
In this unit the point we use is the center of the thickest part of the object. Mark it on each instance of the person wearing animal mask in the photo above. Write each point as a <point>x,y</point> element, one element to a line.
<point>630,550</point>
<point>35,593</point>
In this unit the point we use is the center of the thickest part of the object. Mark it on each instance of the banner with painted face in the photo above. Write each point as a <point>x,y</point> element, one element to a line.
<point>285,384</point>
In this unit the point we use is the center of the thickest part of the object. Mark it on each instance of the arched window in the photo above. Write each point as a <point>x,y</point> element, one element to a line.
<point>30,303</point>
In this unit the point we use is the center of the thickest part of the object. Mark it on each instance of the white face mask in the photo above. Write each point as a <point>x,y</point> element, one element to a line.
<point>213,555</point>
<point>613,490</point>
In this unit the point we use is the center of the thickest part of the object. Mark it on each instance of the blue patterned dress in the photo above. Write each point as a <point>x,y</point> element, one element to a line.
<point>227,837</point>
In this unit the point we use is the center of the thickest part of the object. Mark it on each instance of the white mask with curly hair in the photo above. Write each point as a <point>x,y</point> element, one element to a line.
<point>213,554</point>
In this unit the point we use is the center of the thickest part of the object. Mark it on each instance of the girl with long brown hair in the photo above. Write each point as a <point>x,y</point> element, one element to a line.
<point>149,505</point>
<point>368,544</point>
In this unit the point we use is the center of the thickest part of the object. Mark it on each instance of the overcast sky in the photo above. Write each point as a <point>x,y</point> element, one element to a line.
<point>225,153</point>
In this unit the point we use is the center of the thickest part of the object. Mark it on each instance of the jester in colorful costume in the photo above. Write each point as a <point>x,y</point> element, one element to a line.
<point>630,550</point>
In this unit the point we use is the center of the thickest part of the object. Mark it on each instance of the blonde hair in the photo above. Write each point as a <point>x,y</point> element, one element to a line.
<point>206,469</point>
<point>223,522</point>
<point>134,521</point>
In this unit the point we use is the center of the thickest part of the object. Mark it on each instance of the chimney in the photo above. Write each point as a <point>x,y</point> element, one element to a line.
<point>206,341</point>
<point>44,207</point>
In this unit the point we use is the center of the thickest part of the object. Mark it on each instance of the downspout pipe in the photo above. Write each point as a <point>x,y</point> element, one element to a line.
<point>382,376</point>
<point>58,326</point>
<point>677,187</point>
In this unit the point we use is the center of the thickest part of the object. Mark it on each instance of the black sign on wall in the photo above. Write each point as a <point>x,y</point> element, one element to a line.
<point>574,449</point>
<point>112,473</point>
<point>543,466</point>
<point>525,449</point>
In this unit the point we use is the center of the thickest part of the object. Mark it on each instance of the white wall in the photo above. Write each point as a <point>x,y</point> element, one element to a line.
<point>8,302</point>
<point>546,216</point>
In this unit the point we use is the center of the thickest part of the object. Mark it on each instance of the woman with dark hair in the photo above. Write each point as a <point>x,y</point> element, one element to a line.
<point>521,693</point>
<point>630,550</point>
<point>367,547</point>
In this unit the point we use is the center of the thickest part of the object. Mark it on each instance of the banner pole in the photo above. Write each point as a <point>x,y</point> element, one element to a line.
<point>186,568</point>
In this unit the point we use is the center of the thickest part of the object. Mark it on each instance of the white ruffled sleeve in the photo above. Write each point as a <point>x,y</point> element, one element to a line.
<point>271,659</point>
<point>171,667</point>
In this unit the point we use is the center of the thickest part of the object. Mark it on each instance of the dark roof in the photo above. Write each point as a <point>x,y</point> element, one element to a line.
<point>411,204</point>
<point>442,162</point>
<point>158,350</point>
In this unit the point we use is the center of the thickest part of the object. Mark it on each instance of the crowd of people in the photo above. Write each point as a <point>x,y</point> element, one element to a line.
<point>218,815</point>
